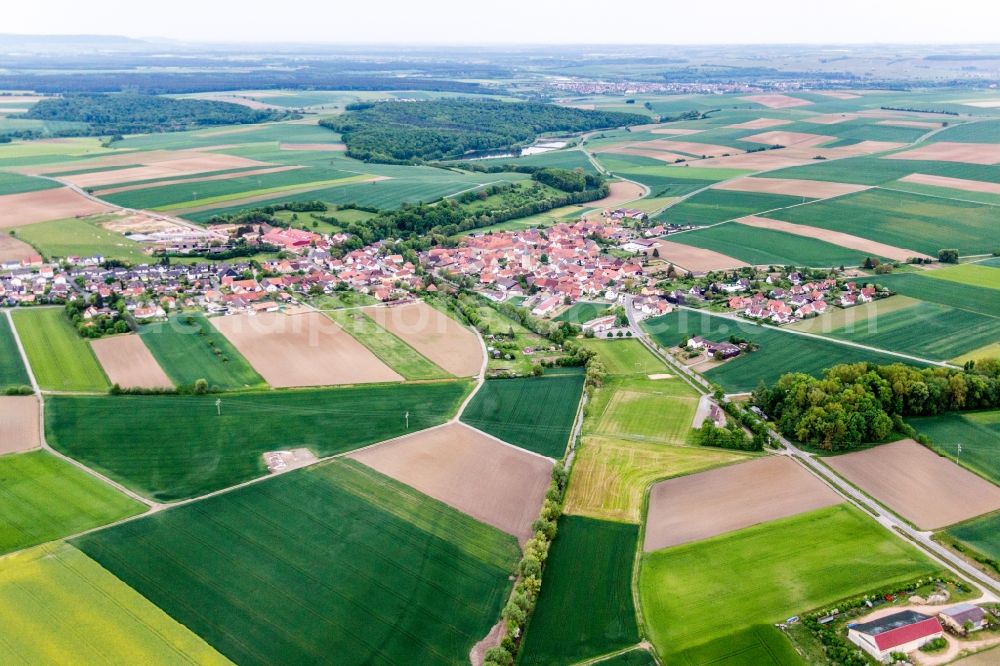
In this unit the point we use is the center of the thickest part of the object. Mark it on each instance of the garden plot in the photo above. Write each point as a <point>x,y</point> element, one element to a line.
<point>918,484</point>
<point>499,485</point>
<point>18,423</point>
<point>128,362</point>
<point>704,505</point>
<point>434,334</point>
<point>43,205</point>
<point>303,350</point>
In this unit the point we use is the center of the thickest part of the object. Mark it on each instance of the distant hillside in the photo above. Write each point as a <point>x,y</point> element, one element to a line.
<point>137,114</point>
<point>445,129</point>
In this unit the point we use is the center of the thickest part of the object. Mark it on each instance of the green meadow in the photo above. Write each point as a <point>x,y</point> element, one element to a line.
<point>59,357</point>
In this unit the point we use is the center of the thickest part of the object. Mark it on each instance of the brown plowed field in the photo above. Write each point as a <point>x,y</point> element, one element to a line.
<point>497,484</point>
<point>946,151</point>
<point>434,334</point>
<point>816,189</point>
<point>183,164</point>
<point>129,363</point>
<point>12,249</point>
<point>837,94</point>
<point>760,123</point>
<point>777,101</point>
<point>44,205</point>
<point>837,238</point>
<point>302,350</point>
<point>700,506</point>
<point>954,183</point>
<point>695,259</point>
<point>927,489</point>
<point>18,423</point>
<point>796,139</point>
<point>221,176</point>
<point>621,192</point>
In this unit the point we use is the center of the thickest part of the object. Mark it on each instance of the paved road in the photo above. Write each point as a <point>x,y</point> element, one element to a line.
<point>943,556</point>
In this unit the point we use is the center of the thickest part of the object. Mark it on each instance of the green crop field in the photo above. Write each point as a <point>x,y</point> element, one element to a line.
<point>780,351</point>
<point>12,371</point>
<point>946,292</point>
<point>583,311</point>
<point>970,274</point>
<point>585,608</point>
<point>977,433</point>
<point>878,171</point>
<point>204,192</point>
<point>762,575</point>
<point>45,498</point>
<point>641,409</point>
<point>713,206</point>
<point>625,356</point>
<point>395,353</point>
<point>610,476</point>
<point>905,220</point>
<point>60,359</point>
<point>535,413</point>
<point>15,183</point>
<point>189,348</point>
<point>981,534</point>
<point>661,179</point>
<point>75,237</point>
<point>184,448</point>
<point>61,607</point>
<point>762,247</point>
<point>334,560</point>
<point>927,330</point>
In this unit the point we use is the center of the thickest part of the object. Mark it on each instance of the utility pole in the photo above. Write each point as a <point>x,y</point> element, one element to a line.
<point>407,420</point>
<point>960,449</point>
<point>218,406</point>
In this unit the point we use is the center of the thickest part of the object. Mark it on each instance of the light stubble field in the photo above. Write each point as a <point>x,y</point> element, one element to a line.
<point>18,423</point>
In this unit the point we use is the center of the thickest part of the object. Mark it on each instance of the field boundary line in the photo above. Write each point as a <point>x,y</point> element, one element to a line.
<point>39,396</point>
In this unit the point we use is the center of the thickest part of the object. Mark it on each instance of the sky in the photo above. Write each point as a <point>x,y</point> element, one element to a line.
<point>519,21</point>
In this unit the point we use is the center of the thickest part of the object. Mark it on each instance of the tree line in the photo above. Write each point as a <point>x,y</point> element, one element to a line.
<point>852,404</point>
<point>416,132</point>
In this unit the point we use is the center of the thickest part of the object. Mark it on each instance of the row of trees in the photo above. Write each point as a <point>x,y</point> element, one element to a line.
<point>862,402</point>
<point>415,132</point>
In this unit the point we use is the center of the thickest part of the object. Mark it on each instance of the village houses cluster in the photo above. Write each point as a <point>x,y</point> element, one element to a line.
<point>800,301</point>
<point>560,264</point>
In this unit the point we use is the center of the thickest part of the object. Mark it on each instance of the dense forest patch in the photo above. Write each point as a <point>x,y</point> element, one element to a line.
<point>433,130</point>
<point>137,114</point>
